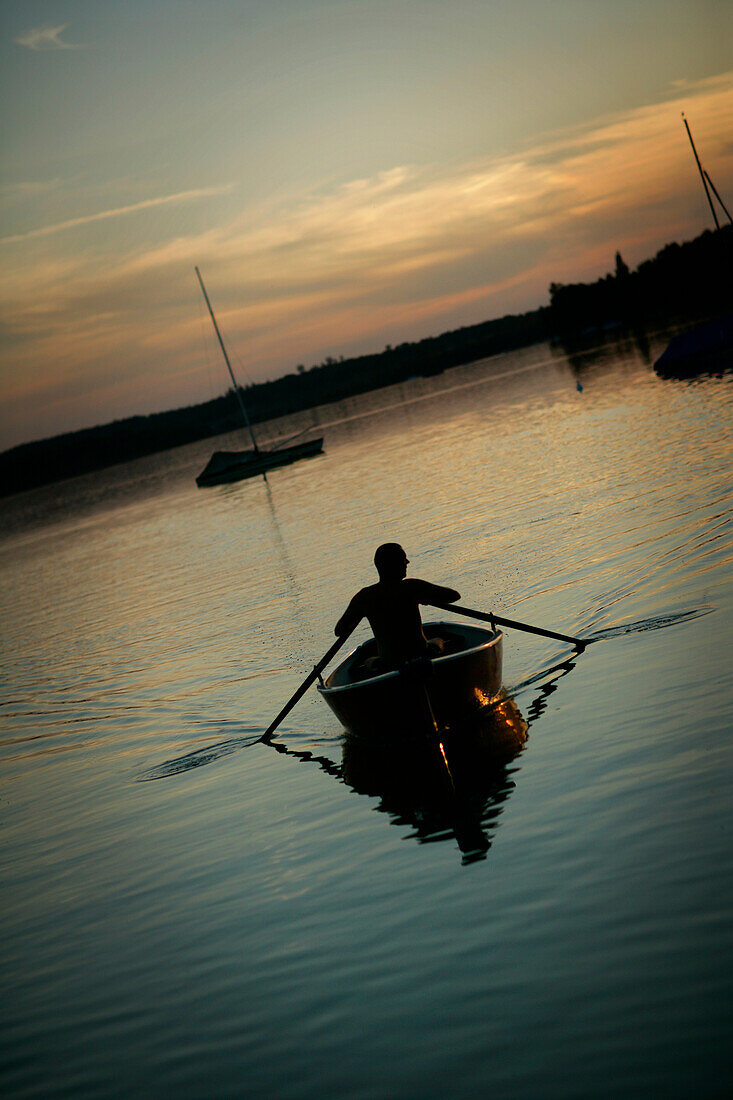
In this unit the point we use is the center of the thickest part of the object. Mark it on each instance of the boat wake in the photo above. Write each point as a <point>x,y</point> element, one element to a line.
<point>544,681</point>
<point>197,759</point>
<point>658,622</point>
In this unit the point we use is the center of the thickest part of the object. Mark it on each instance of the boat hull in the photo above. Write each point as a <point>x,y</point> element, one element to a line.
<point>227,466</point>
<point>706,349</point>
<point>453,688</point>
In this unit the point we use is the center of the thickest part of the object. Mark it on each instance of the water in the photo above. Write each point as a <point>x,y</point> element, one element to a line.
<point>187,914</point>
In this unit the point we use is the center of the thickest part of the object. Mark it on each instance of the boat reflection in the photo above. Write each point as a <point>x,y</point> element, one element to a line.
<point>455,789</point>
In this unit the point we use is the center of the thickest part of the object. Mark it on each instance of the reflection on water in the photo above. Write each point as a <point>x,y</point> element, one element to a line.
<point>444,791</point>
<point>585,351</point>
<point>452,791</point>
<point>238,924</point>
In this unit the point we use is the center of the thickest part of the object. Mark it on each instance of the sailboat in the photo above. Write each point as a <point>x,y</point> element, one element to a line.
<point>707,348</point>
<point>224,466</point>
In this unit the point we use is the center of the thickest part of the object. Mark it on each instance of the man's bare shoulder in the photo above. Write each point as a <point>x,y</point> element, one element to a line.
<point>427,592</point>
<point>416,585</point>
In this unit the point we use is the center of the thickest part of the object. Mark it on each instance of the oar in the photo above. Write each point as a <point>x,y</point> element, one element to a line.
<point>317,670</point>
<point>489,618</point>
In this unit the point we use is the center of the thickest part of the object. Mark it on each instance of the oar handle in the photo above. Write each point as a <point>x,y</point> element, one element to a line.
<point>489,618</point>
<point>318,669</point>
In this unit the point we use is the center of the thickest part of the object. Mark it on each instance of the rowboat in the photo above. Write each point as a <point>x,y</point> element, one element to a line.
<point>447,690</point>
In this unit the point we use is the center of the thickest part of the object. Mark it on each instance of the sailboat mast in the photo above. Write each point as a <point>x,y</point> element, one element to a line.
<point>702,174</point>
<point>226,360</point>
<point>715,192</point>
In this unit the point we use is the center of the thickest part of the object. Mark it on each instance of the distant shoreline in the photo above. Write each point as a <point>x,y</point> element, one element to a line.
<point>682,282</point>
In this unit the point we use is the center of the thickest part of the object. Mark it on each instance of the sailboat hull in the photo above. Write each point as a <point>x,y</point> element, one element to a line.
<point>226,466</point>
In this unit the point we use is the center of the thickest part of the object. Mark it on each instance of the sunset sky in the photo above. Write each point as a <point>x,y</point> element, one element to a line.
<point>346,174</point>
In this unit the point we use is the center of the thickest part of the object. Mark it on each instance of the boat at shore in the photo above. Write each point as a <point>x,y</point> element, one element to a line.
<point>445,691</point>
<point>704,349</point>
<point>227,466</point>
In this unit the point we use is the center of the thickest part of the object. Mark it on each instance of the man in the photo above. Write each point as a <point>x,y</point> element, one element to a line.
<point>392,609</point>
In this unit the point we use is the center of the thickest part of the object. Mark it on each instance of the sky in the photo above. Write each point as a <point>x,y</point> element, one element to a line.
<point>346,174</point>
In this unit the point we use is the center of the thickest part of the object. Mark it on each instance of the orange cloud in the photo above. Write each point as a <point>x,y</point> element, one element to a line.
<point>406,253</point>
<point>102,215</point>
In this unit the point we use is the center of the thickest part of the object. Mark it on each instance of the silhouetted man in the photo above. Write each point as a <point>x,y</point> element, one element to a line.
<point>392,608</point>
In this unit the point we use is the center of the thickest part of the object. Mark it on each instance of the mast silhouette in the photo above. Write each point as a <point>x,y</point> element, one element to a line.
<point>226,360</point>
<point>702,174</point>
<point>715,192</point>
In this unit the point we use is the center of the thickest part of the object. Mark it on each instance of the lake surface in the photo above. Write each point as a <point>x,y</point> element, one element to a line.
<point>188,915</point>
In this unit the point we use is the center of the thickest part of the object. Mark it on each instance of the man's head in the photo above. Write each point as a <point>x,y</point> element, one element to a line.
<point>391,561</point>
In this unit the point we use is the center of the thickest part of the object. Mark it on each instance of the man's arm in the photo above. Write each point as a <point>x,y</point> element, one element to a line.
<point>351,617</point>
<point>434,594</point>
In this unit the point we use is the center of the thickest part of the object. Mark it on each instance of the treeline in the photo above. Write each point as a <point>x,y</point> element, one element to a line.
<point>682,282</point>
<point>32,464</point>
<point>333,381</point>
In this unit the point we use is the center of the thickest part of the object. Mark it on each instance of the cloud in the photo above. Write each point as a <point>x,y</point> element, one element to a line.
<point>145,204</point>
<point>408,252</point>
<point>46,37</point>
<point>27,189</point>
<point>618,180</point>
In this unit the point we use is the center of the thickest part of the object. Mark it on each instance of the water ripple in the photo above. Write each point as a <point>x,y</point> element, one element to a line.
<point>198,758</point>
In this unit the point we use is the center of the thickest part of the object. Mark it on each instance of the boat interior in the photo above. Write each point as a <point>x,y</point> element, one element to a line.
<point>446,639</point>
